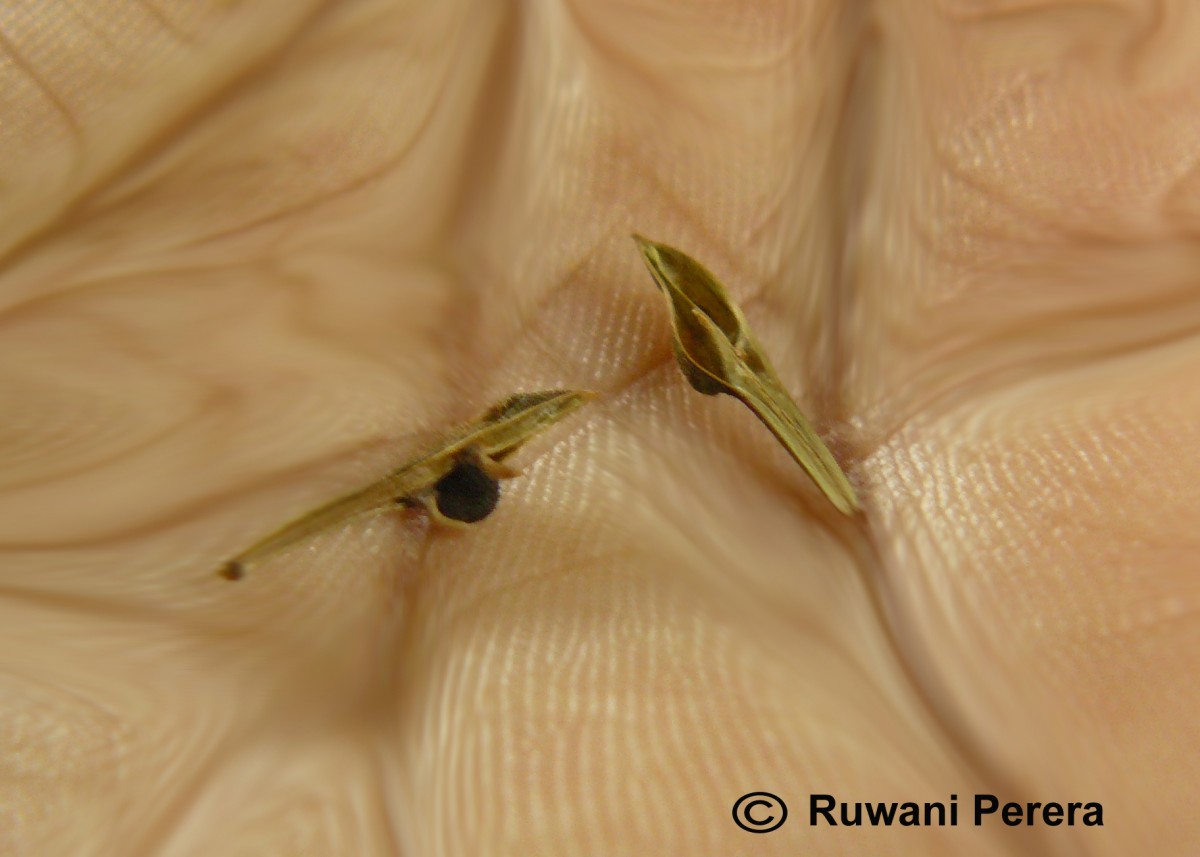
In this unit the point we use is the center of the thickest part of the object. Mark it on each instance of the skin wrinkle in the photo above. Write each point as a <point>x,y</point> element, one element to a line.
<point>845,192</point>
<point>718,547</point>
<point>163,137</point>
<point>172,818</point>
<point>185,513</point>
<point>496,105</point>
<point>118,612</point>
<point>611,48</point>
<point>180,35</point>
<point>305,322</point>
<point>1004,378</point>
<point>141,354</point>
<point>116,764</point>
<point>604,48</point>
<point>937,699</point>
<point>982,536</point>
<point>314,203</point>
<point>95,30</point>
<point>47,91</point>
<point>907,646</point>
<point>83,286</point>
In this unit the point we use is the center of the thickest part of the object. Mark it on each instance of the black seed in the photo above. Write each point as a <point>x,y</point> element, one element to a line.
<point>466,493</point>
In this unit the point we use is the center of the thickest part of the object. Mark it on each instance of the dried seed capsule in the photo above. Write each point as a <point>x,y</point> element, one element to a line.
<point>456,477</point>
<point>717,353</point>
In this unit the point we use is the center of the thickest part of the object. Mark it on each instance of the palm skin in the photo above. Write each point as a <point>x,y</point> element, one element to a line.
<point>252,251</point>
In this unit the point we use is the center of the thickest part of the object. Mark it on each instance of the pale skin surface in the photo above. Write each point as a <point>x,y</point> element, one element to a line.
<point>252,249</point>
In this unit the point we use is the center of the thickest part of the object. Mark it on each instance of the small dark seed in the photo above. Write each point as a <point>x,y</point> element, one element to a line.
<point>466,493</point>
<point>232,570</point>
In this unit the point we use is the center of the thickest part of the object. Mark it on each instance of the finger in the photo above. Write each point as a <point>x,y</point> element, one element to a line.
<point>1059,566</point>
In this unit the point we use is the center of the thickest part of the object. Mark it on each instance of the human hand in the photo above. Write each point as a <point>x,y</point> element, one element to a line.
<point>252,251</point>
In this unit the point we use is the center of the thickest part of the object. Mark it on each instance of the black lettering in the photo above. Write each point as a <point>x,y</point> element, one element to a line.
<point>954,810</point>
<point>851,820</point>
<point>754,803</point>
<point>1051,814</point>
<point>940,808</point>
<point>1013,814</point>
<point>827,810</point>
<point>877,812</point>
<point>984,805</point>
<point>910,815</point>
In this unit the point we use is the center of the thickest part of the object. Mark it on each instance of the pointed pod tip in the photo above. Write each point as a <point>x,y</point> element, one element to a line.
<point>649,249</point>
<point>575,399</point>
<point>232,570</point>
<point>652,255</point>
